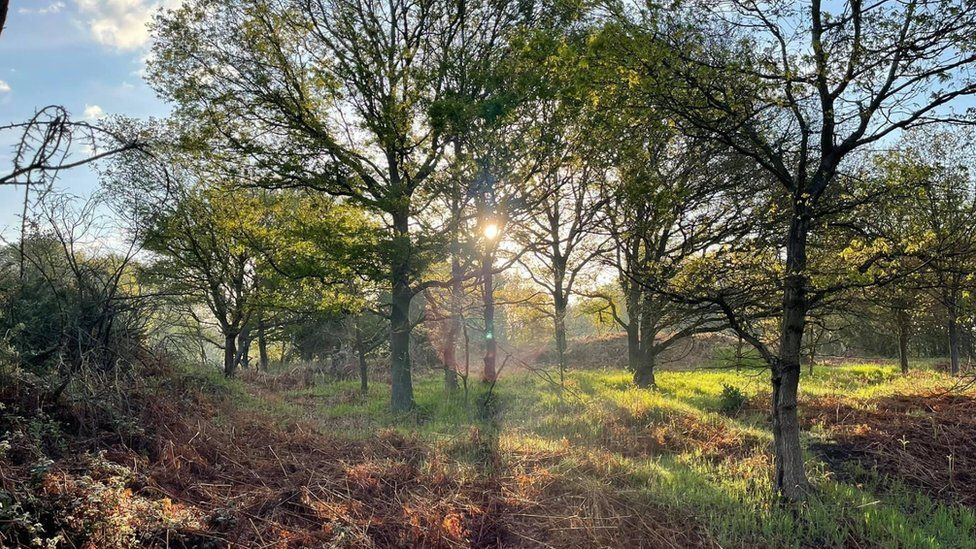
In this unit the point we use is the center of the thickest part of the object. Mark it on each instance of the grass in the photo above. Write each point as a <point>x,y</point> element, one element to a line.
<point>600,463</point>
<point>670,449</point>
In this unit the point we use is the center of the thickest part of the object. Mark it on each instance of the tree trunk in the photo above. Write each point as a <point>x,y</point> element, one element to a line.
<point>790,478</point>
<point>491,346</point>
<point>560,328</point>
<point>633,326</point>
<point>458,194</point>
<point>203,352</point>
<point>814,336</point>
<point>644,375</point>
<point>287,350</point>
<point>450,361</point>
<point>953,340</point>
<point>402,385</point>
<point>633,345</point>
<point>230,353</point>
<point>4,6</point>
<point>361,353</point>
<point>450,346</point>
<point>262,346</point>
<point>334,362</point>
<point>968,333</point>
<point>903,328</point>
<point>243,357</point>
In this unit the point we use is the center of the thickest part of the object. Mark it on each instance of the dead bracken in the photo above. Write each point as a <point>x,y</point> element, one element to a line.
<point>923,440</point>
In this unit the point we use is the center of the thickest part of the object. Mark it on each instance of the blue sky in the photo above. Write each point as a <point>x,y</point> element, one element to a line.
<point>86,55</point>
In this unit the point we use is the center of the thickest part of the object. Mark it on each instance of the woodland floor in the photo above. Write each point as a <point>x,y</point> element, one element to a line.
<point>266,462</point>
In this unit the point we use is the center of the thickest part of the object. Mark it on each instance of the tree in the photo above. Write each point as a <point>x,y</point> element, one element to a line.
<point>563,240</point>
<point>939,219</point>
<point>203,257</point>
<point>564,171</point>
<point>492,154</point>
<point>664,197</point>
<point>46,147</point>
<point>315,250</point>
<point>672,199</point>
<point>334,95</point>
<point>800,89</point>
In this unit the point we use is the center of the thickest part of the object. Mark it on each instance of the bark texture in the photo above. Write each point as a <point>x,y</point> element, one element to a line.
<point>790,478</point>
<point>230,354</point>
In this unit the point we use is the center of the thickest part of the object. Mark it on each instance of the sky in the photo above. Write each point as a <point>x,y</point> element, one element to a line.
<point>87,55</point>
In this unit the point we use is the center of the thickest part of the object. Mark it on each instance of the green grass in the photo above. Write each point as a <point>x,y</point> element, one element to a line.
<point>592,426</point>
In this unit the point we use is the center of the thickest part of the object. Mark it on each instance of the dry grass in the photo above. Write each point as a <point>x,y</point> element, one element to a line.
<point>213,471</point>
<point>927,441</point>
<point>270,464</point>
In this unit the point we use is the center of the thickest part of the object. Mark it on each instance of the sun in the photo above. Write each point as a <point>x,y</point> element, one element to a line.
<point>491,231</point>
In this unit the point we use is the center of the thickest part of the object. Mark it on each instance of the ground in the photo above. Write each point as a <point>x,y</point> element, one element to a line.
<point>599,463</point>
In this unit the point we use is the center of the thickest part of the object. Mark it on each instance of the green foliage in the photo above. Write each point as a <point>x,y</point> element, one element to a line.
<point>732,400</point>
<point>203,256</point>
<point>68,309</point>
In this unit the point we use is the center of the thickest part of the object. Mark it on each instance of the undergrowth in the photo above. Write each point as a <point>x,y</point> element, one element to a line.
<point>186,457</point>
<point>698,447</point>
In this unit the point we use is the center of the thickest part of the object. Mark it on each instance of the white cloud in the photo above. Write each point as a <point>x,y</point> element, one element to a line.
<point>53,7</point>
<point>120,24</point>
<point>93,112</point>
<point>4,87</point>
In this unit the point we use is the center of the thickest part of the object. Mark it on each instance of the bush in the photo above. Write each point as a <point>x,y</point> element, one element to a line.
<point>732,400</point>
<point>62,310</point>
<point>61,486</point>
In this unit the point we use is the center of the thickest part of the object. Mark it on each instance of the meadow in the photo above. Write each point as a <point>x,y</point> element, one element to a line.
<point>602,462</point>
<point>189,458</point>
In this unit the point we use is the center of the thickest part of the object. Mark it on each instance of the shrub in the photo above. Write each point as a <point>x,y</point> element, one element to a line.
<point>63,309</point>
<point>732,399</point>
